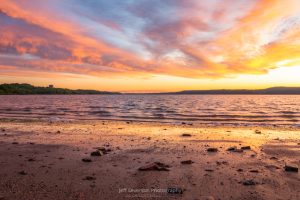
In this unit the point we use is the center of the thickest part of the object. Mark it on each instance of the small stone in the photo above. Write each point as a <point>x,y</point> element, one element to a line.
<point>187,162</point>
<point>254,171</point>
<point>249,182</point>
<point>97,153</point>
<point>246,147</point>
<point>240,170</point>
<point>15,142</point>
<point>186,135</point>
<point>239,151</point>
<point>212,149</point>
<point>86,160</point>
<point>273,158</point>
<point>232,148</point>
<point>58,132</point>
<point>3,130</point>
<point>31,160</point>
<point>89,178</point>
<point>209,170</point>
<point>156,166</point>
<point>257,131</point>
<point>22,173</point>
<point>289,168</point>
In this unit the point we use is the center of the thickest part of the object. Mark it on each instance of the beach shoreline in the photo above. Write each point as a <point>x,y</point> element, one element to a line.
<point>43,160</point>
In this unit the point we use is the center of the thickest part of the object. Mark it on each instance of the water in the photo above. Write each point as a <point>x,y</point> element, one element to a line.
<point>206,109</point>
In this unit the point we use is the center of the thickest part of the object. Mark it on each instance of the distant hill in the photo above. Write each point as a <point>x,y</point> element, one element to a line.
<point>273,90</point>
<point>16,88</point>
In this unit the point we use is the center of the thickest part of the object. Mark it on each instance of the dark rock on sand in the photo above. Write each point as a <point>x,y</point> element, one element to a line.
<point>15,142</point>
<point>246,147</point>
<point>97,153</point>
<point>289,168</point>
<point>209,170</point>
<point>257,131</point>
<point>254,171</point>
<point>156,166</point>
<point>86,160</point>
<point>31,160</point>
<point>212,149</point>
<point>89,178</point>
<point>187,162</point>
<point>249,182</point>
<point>232,148</point>
<point>22,173</point>
<point>3,130</point>
<point>186,135</point>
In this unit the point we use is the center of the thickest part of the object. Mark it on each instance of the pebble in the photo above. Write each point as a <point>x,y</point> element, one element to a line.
<point>15,142</point>
<point>156,166</point>
<point>86,160</point>
<point>186,135</point>
<point>289,168</point>
<point>246,147</point>
<point>89,178</point>
<point>257,131</point>
<point>212,149</point>
<point>97,153</point>
<point>187,162</point>
<point>249,182</point>
<point>22,173</point>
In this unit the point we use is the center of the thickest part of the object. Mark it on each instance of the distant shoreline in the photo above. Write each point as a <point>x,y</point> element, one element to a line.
<point>27,89</point>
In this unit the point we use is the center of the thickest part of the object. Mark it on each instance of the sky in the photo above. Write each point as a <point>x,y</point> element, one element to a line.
<point>150,45</point>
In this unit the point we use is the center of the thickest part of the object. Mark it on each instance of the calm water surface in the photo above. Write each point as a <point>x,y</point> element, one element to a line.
<point>210,109</point>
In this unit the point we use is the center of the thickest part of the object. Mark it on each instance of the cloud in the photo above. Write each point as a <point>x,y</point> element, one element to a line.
<point>195,39</point>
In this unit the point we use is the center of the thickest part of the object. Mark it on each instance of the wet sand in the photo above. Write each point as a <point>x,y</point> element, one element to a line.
<point>43,160</point>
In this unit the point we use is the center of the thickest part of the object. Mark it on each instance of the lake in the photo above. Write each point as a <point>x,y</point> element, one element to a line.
<point>204,109</point>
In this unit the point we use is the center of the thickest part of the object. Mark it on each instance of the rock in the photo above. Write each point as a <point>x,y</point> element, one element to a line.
<point>187,162</point>
<point>89,178</point>
<point>32,143</point>
<point>289,168</point>
<point>58,132</point>
<point>31,160</point>
<point>257,132</point>
<point>22,173</point>
<point>246,147</point>
<point>86,160</point>
<point>156,166</point>
<point>97,153</point>
<point>186,135</point>
<point>239,151</point>
<point>103,149</point>
<point>209,170</point>
<point>15,142</point>
<point>232,148</point>
<point>240,170</point>
<point>254,171</point>
<point>212,149</point>
<point>3,130</point>
<point>249,182</point>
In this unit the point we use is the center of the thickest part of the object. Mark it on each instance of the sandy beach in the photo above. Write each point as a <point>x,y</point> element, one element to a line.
<point>139,160</point>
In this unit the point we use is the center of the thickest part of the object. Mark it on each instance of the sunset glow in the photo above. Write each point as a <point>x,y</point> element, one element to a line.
<point>139,45</point>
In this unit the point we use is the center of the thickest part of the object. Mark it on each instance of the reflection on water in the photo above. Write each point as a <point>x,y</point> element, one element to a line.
<point>212,109</point>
